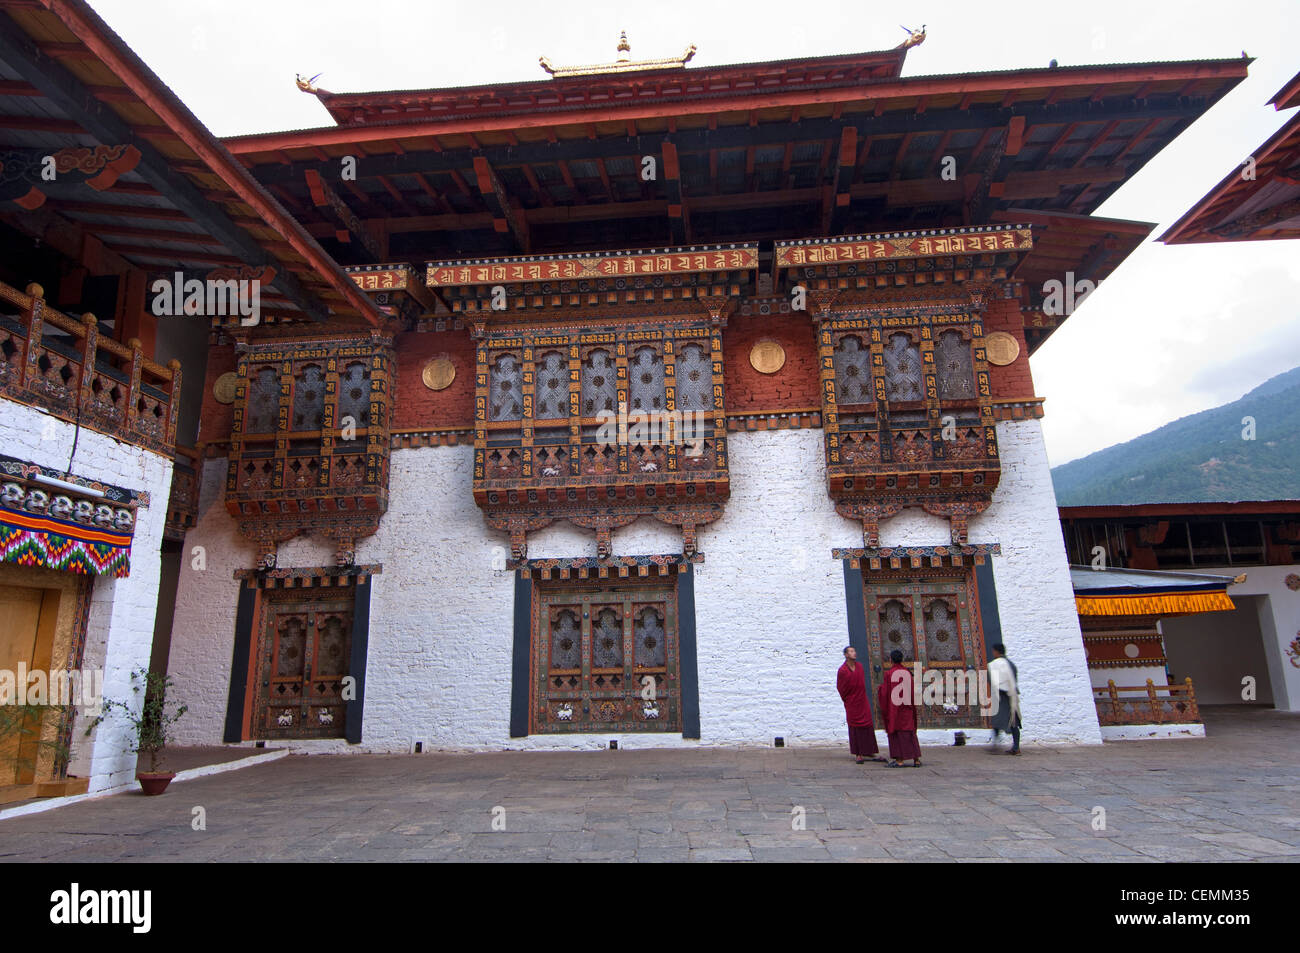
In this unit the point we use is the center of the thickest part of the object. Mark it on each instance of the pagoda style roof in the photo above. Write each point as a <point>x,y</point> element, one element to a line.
<point>139,182</point>
<point>780,150</point>
<point>1257,201</point>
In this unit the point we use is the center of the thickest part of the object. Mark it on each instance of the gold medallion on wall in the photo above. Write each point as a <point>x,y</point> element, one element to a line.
<point>439,373</point>
<point>767,356</point>
<point>1001,348</point>
<point>223,388</point>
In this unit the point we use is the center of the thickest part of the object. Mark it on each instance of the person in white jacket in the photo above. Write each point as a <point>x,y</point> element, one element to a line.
<point>1003,686</point>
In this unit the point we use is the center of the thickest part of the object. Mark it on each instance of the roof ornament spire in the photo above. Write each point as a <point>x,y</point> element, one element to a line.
<point>624,63</point>
<point>914,37</point>
<point>307,85</point>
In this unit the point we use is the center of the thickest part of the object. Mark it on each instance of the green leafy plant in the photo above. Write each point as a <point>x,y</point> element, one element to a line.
<point>21,728</point>
<point>154,720</point>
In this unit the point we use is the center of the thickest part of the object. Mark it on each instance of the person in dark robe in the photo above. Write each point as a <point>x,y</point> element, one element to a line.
<point>898,707</point>
<point>852,684</point>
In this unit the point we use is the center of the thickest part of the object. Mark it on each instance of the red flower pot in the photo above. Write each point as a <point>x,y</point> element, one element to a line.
<point>155,782</point>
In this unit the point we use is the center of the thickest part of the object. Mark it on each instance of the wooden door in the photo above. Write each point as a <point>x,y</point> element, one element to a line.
<point>932,618</point>
<point>605,660</point>
<point>305,652</point>
<point>27,618</point>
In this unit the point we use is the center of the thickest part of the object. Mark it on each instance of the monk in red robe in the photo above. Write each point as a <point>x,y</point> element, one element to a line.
<point>852,684</point>
<point>897,705</point>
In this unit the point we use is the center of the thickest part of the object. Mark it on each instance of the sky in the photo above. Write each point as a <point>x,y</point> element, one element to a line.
<point>1175,330</point>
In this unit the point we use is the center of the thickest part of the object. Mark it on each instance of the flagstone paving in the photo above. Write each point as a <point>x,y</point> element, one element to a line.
<point>1234,796</point>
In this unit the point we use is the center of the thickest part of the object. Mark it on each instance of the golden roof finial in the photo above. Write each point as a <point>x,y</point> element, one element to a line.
<point>307,85</point>
<point>624,63</point>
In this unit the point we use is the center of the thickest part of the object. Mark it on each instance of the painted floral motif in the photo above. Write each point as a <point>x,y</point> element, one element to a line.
<point>1293,582</point>
<point>1294,651</point>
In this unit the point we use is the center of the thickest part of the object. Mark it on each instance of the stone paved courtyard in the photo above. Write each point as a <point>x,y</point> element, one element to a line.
<point>1234,796</point>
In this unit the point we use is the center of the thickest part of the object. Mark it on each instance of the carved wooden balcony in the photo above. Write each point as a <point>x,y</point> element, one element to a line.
<point>63,366</point>
<point>310,442</point>
<point>183,503</point>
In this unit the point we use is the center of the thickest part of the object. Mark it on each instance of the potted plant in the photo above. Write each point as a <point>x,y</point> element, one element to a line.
<point>151,725</point>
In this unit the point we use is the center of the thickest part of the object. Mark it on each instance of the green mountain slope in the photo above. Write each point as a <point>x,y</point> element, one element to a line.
<point>1199,459</point>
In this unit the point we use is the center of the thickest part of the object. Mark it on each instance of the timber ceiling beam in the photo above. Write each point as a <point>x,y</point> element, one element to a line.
<point>705,141</point>
<point>58,85</point>
<point>506,219</point>
<point>846,162</point>
<point>679,226</point>
<point>347,225</point>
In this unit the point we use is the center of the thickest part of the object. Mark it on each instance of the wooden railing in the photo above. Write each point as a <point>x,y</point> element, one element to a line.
<point>1148,704</point>
<point>183,504</point>
<point>62,365</point>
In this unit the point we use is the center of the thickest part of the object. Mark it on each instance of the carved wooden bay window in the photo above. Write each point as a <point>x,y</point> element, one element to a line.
<point>310,443</point>
<point>601,422</point>
<point>907,411</point>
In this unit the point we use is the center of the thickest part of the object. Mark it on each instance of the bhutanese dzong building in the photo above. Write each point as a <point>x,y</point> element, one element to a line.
<point>842,271</point>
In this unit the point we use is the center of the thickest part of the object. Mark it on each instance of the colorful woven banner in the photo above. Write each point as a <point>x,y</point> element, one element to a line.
<point>30,540</point>
<point>1164,603</point>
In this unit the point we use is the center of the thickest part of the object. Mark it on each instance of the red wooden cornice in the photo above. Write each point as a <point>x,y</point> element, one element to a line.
<point>1092,79</point>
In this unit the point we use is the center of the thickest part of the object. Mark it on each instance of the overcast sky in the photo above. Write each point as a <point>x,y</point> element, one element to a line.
<point>1172,332</point>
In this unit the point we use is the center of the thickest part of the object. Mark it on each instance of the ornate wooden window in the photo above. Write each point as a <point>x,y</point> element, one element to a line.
<point>599,383</point>
<point>932,617</point>
<point>605,659</point>
<point>506,394</point>
<point>907,412</point>
<point>694,378</point>
<point>553,387</point>
<point>953,361</point>
<point>263,401</point>
<point>614,421</point>
<point>296,462</point>
<point>304,653</point>
<point>646,373</point>
<point>308,398</point>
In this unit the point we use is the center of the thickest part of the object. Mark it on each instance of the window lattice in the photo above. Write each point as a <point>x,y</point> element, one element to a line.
<point>566,641</point>
<point>942,643</point>
<point>309,398</point>
<point>263,402</point>
<point>694,379</point>
<point>956,378</point>
<point>292,647</point>
<point>354,395</point>
<point>599,384</point>
<point>506,390</point>
<point>331,656</point>
<point>903,377</point>
<point>607,640</point>
<point>552,386</point>
<point>896,630</point>
<point>853,371</point>
<point>648,636</point>
<point>646,370</point>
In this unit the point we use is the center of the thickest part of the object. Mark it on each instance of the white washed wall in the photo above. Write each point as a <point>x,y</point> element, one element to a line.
<point>1278,621</point>
<point>770,606</point>
<point>119,632</point>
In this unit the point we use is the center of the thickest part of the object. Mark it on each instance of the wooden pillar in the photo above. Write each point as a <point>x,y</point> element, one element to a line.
<point>133,318</point>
